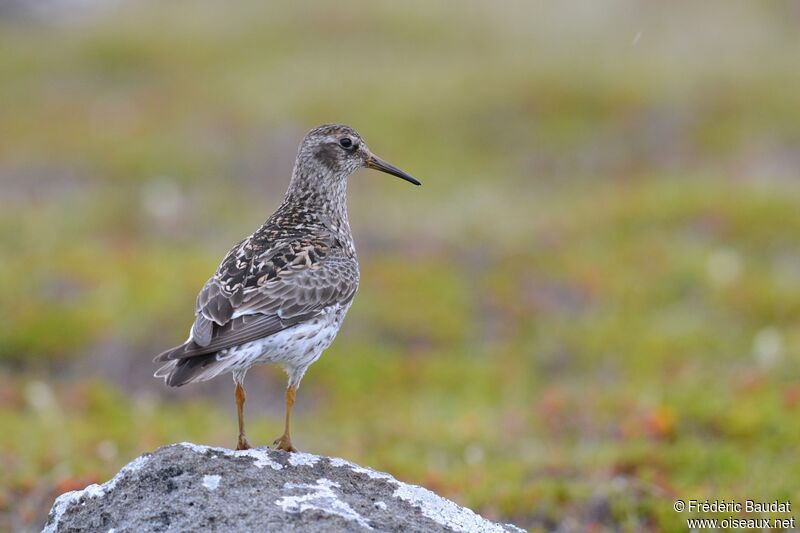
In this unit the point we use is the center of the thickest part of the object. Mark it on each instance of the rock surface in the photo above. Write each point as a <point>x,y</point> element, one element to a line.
<point>186,487</point>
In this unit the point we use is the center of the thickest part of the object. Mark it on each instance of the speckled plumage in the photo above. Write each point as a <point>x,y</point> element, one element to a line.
<point>280,295</point>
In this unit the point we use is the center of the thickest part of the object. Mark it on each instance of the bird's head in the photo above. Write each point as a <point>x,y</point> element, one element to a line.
<point>336,151</point>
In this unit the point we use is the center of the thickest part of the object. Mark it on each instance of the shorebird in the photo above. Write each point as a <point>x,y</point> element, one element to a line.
<point>280,295</point>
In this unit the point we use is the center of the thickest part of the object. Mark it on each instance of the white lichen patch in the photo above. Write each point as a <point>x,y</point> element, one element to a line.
<point>443,511</point>
<point>319,497</point>
<point>303,459</point>
<point>336,461</point>
<point>63,502</point>
<point>198,448</point>
<point>261,456</point>
<point>211,482</point>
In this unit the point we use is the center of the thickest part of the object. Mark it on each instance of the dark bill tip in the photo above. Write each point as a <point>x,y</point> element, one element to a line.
<point>383,166</point>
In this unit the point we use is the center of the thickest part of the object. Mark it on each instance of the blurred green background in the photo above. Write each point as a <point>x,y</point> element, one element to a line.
<point>588,310</point>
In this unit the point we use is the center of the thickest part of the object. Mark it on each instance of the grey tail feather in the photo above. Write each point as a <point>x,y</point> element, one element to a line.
<point>174,353</point>
<point>179,372</point>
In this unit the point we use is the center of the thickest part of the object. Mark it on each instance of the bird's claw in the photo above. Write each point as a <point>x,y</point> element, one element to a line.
<point>284,443</point>
<point>242,443</point>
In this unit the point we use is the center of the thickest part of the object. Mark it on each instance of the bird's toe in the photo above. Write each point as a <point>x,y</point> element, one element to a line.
<point>284,443</point>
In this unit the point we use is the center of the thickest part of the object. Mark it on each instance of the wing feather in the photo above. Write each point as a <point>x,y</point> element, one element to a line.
<point>261,305</point>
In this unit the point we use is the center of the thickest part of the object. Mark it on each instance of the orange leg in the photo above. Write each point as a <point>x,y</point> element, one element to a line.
<point>241,443</point>
<point>284,442</point>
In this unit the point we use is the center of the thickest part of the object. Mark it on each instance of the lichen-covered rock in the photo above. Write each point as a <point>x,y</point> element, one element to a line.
<point>185,487</point>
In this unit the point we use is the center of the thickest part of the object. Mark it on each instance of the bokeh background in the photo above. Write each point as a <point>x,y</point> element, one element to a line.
<point>588,310</point>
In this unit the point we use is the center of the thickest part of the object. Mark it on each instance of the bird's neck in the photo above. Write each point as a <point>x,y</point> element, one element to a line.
<point>324,197</point>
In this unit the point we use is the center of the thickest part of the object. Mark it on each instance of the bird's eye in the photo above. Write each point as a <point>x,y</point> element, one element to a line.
<point>346,142</point>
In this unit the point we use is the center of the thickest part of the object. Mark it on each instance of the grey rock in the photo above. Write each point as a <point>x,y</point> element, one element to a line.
<point>186,487</point>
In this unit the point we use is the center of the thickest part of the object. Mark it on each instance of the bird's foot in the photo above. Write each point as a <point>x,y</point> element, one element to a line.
<point>242,444</point>
<point>284,442</point>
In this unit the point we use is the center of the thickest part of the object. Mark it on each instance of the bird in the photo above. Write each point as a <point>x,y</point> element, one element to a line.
<point>280,295</point>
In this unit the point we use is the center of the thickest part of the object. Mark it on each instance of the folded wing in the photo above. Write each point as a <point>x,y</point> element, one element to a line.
<point>252,297</point>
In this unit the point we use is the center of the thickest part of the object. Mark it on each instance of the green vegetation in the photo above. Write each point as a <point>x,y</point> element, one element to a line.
<point>589,309</point>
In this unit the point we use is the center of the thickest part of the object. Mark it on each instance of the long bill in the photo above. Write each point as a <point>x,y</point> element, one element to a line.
<point>379,164</point>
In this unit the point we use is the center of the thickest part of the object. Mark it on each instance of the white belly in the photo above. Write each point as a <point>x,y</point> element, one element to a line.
<point>294,348</point>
